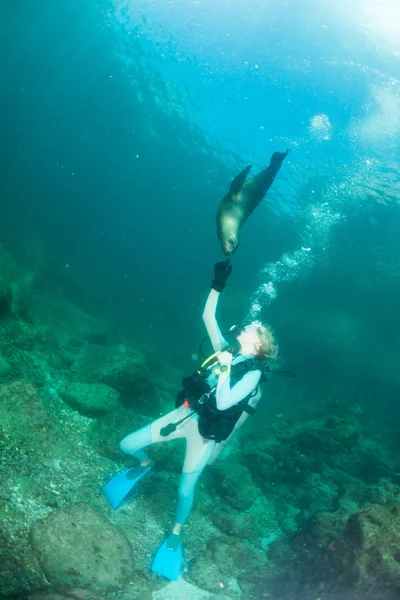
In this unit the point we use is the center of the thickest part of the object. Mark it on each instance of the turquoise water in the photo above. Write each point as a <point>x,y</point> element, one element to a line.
<point>127,121</point>
<point>123,124</point>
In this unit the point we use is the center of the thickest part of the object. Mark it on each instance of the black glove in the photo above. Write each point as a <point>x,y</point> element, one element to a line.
<point>222,270</point>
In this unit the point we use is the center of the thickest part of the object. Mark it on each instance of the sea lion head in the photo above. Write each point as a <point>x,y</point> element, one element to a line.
<point>278,157</point>
<point>230,244</point>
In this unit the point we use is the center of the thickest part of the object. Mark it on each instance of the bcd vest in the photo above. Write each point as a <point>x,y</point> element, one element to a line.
<point>215,424</point>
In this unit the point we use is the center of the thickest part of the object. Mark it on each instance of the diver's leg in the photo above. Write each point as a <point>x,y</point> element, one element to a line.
<point>135,442</point>
<point>197,454</point>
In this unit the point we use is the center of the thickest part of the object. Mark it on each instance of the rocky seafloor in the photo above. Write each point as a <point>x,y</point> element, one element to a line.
<point>307,508</point>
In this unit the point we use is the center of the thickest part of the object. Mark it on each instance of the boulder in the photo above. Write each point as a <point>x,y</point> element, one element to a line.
<point>373,539</point>
<point>73,593</point>
<point>90,399</point>
<point>19,568</point>
<point>267,516</point>
<point>239,525</point>
<point>27,424</point>
<point>64,594</point>
<point>260,521</point>
<point>224,560</point>
<point>122,369</point>
<point>235,485</point>
<point>79,547</point>
<point>206,574</point>
<point>345,554</point>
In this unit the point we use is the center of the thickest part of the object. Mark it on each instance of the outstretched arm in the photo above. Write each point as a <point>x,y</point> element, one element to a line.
<point>222,270</point>
<point>217,340</point>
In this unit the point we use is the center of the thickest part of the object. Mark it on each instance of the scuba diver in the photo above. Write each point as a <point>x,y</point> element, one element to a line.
<point>213,404</point>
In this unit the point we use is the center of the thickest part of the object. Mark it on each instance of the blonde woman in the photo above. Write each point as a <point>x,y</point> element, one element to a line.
<point>213,404</point>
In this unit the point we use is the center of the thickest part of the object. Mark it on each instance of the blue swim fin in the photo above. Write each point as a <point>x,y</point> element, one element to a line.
<point>169,558</point>
<point>120,486</point>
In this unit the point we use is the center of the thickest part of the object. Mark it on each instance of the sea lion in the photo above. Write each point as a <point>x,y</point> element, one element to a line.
<point>243,197</point>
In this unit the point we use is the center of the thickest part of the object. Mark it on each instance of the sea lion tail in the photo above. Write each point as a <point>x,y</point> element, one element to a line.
<point>239,180</point>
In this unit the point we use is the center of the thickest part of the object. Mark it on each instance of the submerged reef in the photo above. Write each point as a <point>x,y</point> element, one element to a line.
<point>307,507</point>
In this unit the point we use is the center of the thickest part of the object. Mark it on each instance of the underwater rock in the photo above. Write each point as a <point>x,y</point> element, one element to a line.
<point>298,567</point>
<point>226,558</point>
<point>182,590</point>
<point>35,338</point>
<point>327,437</point>
<point>78,546</point>
<point>5,368</point>
<point>19,568</point>
<point>240,525</point>
<point>345,554</point>
<point>90,399</point>
<point>122,369</point>
<point>321,493</point>
<point>260,521</point>
<point>232,556</point>
<point>372,537</point>
<point>25,421</point>
<point>235,485</point>
<point>362,495</point>
<point>67,594</point>
<point>106,432</point>
<point>206,574</point>
<point>312,461</point>
<point>266,517</point>
<point>255,584</point>
<point>327,527</point>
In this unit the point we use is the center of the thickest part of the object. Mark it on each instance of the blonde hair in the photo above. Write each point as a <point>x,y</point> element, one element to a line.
<point>268,345</point>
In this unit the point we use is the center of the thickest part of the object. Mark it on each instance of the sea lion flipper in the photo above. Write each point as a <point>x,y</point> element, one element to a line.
<point>239,180</point>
